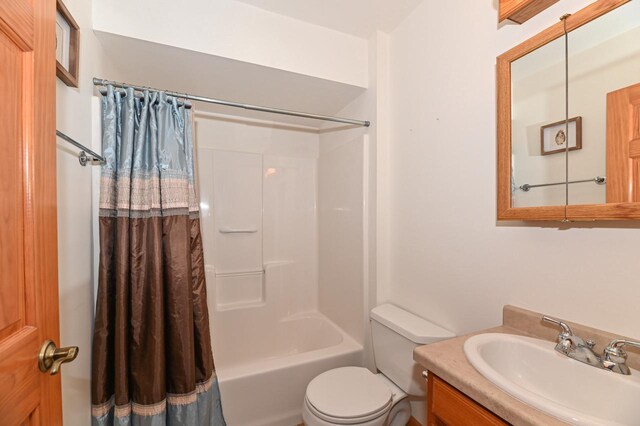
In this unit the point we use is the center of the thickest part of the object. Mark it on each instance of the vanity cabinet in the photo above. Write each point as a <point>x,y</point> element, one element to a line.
<point>447,406</point>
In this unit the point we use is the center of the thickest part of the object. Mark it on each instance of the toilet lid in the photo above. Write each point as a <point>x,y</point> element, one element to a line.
<point>349,393</point>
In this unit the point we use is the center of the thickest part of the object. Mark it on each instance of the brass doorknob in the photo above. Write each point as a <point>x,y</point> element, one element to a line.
<point>52,358</point>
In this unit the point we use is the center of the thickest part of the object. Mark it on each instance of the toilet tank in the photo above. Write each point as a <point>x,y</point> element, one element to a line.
<point>395,334</point>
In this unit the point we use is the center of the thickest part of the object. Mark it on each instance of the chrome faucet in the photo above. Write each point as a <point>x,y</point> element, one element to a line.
<point>613,358</point>
<point>573,346</point>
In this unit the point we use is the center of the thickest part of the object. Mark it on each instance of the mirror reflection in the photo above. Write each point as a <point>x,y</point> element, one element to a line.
<point>604,85</point>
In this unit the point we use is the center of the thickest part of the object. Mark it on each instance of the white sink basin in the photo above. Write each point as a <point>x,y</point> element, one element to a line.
<point>532,371</point>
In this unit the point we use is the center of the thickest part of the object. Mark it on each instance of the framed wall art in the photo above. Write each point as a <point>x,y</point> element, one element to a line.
<point>67,46</point>
<point>554,138</point>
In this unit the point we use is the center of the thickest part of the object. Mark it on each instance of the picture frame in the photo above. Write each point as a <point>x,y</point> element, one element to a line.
<point>553,138</point>
<point>67,46</point>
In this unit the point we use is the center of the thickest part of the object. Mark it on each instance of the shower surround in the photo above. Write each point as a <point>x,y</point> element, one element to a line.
<point>259,184</point>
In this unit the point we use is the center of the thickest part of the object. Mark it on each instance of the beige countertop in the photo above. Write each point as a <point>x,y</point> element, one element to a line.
<point>447,360</point>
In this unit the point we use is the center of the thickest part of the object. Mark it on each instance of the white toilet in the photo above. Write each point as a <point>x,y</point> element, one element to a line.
<point>356,396</point>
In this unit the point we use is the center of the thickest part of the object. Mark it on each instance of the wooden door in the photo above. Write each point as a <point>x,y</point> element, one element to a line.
<point>623,145</point>
<point>28,234</point>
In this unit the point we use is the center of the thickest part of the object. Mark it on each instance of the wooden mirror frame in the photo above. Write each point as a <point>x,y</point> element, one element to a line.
<point>584,212</point>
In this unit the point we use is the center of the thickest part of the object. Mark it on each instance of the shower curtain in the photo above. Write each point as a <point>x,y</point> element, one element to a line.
<point>152,360</point>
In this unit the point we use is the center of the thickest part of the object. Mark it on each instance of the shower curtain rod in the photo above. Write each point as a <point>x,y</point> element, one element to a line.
<point>102,82</point>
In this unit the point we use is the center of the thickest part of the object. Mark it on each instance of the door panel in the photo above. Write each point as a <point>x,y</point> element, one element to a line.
<point>20,382</point>
<point>28,239</point>
<point>17,22</point>
<point>11,209</point>
<point>623,145</point>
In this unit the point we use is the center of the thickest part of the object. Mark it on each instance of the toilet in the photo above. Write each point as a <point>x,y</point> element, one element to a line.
<point>355,395</point>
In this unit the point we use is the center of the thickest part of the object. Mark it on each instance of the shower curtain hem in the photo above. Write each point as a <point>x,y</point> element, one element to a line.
<point>176,409</point>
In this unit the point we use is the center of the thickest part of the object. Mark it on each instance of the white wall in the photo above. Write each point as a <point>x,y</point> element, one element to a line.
<point>347,205</point>
<point>235,30</point>
<point>75,225</point>
<point>449,259</point>
<point>341,232</point>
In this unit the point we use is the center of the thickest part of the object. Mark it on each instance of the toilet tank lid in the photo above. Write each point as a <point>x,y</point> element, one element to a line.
<point>411,326</point>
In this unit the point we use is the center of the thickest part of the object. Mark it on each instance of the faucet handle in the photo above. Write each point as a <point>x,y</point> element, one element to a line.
<point>614,357</point>
<point>615,347</point>
<point>566,330</point>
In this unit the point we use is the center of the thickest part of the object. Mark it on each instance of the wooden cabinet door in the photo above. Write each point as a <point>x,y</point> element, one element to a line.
<point>28,234</point>
<point>623,145</point>
<point>447,406</point>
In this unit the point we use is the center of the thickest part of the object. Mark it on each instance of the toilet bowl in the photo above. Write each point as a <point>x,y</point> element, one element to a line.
<point>355,395</point>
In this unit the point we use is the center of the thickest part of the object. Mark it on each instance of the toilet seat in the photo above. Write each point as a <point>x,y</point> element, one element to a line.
<point>348,395</point>
<point>345,420</point>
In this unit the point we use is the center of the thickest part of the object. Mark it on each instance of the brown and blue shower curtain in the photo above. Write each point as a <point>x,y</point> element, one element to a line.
<point>152,359</point>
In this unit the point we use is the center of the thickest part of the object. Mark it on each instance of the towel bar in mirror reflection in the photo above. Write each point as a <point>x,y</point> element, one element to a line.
<point>598,180</point>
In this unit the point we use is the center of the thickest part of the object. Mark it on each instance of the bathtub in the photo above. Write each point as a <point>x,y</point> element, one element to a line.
<point>264,370</point>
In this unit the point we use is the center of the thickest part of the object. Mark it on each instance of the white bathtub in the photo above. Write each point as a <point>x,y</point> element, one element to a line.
<point>264,370</point>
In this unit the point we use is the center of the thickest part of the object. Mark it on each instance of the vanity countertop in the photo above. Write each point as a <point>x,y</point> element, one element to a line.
<point>447,360</point>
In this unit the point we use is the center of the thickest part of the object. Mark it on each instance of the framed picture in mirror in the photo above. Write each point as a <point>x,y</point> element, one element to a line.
<point>554,137</point>
<point>67,46</point>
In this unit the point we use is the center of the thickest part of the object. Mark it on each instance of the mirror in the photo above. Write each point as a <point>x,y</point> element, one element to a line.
<point>604,113</point>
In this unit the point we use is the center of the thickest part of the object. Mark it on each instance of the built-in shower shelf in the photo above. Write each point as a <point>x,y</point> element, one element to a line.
<point>237,289</point>
<point>239,305</point>
<point>239,273</point>
<point>238,230</point>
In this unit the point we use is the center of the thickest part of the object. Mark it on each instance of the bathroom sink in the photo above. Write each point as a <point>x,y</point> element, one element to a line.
<point>532,371</point>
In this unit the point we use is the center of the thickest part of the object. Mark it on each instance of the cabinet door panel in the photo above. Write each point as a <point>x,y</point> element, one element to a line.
<point>447,406</point>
